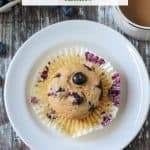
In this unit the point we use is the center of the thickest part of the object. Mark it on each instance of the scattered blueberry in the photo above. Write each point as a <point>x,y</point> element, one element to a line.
<point>2,49</point>
<point>34,100</point>
<point>57,75</point>
<point>68,10</point>
<point>51,116</point>
<point>91,107</point>
<point>102,113</point>
<point>60,90</point>
<point>3,2</point>
<point>99,86</point>
<point>78,100</point>
<point>44,74</point>
<point>79,78</point>
<point>51,94</point>
<point>46,68</point>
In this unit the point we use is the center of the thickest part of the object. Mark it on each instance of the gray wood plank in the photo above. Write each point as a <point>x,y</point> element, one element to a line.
<point>5,128</point>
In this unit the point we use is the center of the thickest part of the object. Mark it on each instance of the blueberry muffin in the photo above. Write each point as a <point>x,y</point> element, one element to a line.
<point>76,93</point>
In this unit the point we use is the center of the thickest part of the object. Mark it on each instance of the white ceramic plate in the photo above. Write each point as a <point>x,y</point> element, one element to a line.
<point>101,40</point>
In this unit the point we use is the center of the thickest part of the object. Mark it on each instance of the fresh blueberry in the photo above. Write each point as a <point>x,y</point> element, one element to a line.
<point>60,90</point>
<point>2,48</point>
<point>99,86</point>
<point>3,2</point>
<point>44,74</point>
<point>91,107</point>
<point>51,116</point>
<point>102,113</point>
<point>58,75</point>
<point>68,10</point>
<point>79,78</point>
<point>78,100</point>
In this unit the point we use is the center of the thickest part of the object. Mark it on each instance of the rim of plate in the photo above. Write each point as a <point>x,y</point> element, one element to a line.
<point>137,55</point>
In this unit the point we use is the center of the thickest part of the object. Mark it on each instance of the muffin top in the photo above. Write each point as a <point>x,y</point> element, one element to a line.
<point>75,90</point>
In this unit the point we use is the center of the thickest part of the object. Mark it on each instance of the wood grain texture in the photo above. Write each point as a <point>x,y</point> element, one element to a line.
<point>19,24</point>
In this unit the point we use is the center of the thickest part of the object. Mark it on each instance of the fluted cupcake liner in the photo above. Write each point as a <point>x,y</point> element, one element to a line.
<point>109,101</point>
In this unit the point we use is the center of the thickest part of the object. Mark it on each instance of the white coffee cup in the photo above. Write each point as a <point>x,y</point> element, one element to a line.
<point>129,27</point>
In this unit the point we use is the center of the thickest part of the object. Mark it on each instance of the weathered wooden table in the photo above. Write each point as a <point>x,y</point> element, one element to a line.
<point>22,22</point>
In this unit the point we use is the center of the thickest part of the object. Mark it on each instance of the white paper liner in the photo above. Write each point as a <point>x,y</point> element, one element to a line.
<point>71,127</point>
